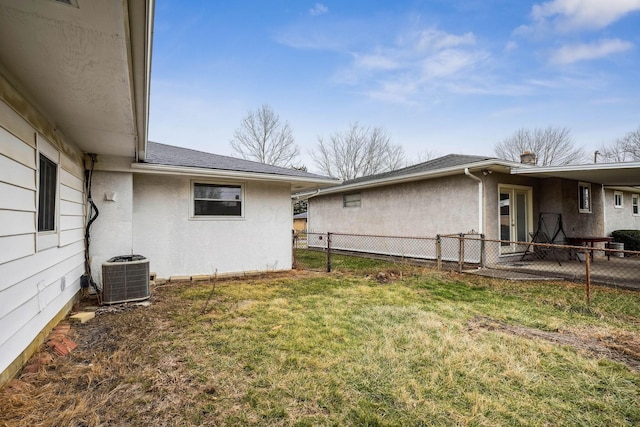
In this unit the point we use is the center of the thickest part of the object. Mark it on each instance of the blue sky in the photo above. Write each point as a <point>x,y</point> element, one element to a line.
<point>443,76</point>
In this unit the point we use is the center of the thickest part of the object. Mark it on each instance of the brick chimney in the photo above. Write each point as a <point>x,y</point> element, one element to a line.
<point>528,158</point>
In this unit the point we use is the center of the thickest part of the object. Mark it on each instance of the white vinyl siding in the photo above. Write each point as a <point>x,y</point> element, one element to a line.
<point>17,174</point>
<point>40,271</point>
<point>13,222</point>
<point>16,246</point>
<point>71,209</point>
<point>17,198</point>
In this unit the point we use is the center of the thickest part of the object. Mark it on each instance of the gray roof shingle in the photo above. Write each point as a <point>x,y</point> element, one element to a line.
<point>163,154</point>
<point>448,161</point>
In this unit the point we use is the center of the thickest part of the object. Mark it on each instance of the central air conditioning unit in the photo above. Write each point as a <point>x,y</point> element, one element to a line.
<point>125,278</point>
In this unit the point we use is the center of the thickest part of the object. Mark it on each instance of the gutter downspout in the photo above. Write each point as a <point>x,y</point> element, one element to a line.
<point>480,204</point>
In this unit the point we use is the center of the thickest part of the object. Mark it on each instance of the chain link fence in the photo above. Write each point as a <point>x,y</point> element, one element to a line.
<point>600,263</point>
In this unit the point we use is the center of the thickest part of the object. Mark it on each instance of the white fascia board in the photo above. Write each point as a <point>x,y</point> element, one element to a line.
<point>454,170</point>
<point>227,174</point>
<point>140,41</point>
<point>623,188</point>
<point>575,168</point>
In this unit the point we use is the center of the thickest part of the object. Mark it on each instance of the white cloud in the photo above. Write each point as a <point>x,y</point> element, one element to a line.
<point>420,61</point>
<point>433,39</point>
<point>570,15</point>
<point>375,61</point>
<point>510,46</point>
<point>447,63</point>
<point>402,66</point>
<point>318,9</point>
<point>570,54</point>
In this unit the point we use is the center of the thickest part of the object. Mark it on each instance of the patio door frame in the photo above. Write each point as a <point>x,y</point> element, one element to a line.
<point>520,221</point>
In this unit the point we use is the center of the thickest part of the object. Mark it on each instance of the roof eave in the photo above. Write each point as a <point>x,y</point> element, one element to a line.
<point>141,19</point>
<point>454,170</point>
<point>570,168</point>
<point>298,183</point>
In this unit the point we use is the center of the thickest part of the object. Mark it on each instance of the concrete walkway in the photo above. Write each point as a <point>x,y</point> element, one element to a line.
<point>616,272</point>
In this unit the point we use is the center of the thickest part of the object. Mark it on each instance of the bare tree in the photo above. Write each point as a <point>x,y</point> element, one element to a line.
<point>631,144</point>
<point>358,151</point>
<point>624,149</point>
<point>611,153</point>
<point>426,155</point>
<point>552,146</point>
<point>263,137</point>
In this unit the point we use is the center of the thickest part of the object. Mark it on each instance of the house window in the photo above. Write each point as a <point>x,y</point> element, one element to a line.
<point>47,194</point>
<point>211,200</point>
<point>635,204</point>
<point>617,199</point>
<point>351,200</point>
<point>584,197</point>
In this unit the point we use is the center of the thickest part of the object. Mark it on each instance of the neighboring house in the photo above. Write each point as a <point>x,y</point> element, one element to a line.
<point>300,222</point>
<point>473,194</point>
<point>622,209</point>
<point>74,80</point>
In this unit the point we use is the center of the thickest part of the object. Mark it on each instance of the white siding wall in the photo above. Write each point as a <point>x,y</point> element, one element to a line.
<point>39,273</point>
<point>619,218</point>
<point>177,245</point>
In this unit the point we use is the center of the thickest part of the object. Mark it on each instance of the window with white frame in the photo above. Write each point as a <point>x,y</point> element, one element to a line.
<point>217,200</point>
<point>617,199</point>
<point>351,200</point>
<point>635,204</point>
<point>584,197</point>
<point>47,186</point>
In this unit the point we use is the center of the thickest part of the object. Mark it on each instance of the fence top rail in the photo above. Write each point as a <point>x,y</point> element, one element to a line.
<point>562,246</point>
<point>376,235</point>
<point>464,235</point>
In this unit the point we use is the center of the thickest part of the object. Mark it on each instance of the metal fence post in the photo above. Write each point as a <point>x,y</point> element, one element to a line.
<point>329,252</point>
<point>461,253</point>
<point>587,277</point>
<point>483,246</point>
<point>438,253</point>
<point>293,250</point>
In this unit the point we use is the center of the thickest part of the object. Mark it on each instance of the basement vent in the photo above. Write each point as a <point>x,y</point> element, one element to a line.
<point>125,278</point>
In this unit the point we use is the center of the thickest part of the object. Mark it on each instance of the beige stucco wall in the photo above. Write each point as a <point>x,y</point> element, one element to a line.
<point>111,232</point>
<point>178,245</point>
<point>619,218</point>
<point>492,183</point>
<point>424,208</point>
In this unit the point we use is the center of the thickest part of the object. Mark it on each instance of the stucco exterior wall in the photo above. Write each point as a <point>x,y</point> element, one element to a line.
<point>492,183</point>
<point>111,232</point>
<point>582,224</point>
<point>424,208</point>
<point>178,245</point>
<point>619,218</point>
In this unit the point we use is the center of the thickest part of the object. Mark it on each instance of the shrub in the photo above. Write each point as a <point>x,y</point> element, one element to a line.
<point>630,238</point>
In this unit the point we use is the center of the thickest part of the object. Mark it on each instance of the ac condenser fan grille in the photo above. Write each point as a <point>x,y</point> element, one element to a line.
<point>125,279</point>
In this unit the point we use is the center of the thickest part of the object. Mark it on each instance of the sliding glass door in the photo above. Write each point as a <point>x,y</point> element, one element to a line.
<point>515,217</point>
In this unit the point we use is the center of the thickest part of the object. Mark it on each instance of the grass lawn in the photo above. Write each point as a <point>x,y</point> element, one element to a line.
<point>407,347</point>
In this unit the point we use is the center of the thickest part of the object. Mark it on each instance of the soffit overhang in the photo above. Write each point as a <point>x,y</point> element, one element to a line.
<point>85,67</point>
